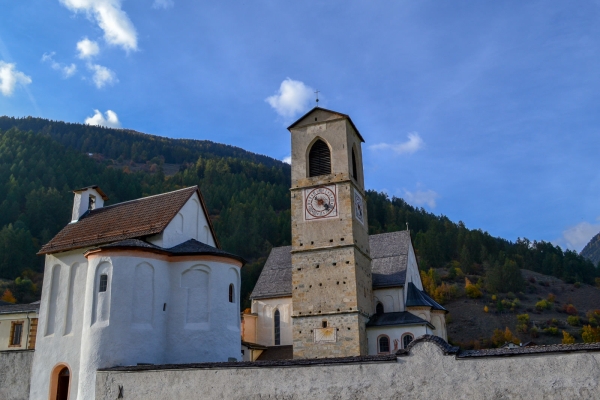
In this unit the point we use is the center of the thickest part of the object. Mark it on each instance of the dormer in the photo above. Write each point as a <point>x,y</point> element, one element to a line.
<point>87,199</point>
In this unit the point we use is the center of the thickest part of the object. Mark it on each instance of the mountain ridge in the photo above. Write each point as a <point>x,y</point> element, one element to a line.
<point>591,251</point>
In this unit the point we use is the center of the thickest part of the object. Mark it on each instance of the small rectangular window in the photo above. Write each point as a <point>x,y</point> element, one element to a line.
<point>103,283</point>
<point>17,332</point>
<point>324,324</point>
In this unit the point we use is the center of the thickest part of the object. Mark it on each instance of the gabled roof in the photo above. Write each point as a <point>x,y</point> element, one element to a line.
<point>131,219</point>
<point>397,318</point>
<point>416,297</point>
<point>317,108</point>
<point>389,252</point>
<point>96,188</point>
<point>189,248</point>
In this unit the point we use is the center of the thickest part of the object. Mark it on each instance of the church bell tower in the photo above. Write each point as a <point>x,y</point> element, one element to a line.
<point>331,263</point>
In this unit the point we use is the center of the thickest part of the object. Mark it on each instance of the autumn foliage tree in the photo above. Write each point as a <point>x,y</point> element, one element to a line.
<point>8,297</point>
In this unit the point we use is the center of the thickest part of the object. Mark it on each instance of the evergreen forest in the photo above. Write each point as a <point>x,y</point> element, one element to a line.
<point>247,195</point>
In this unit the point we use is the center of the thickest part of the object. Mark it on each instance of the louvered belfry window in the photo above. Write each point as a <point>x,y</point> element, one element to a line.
<point>319,159</point>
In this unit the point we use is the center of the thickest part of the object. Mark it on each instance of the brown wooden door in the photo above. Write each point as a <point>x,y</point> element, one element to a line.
<point>62,389</point>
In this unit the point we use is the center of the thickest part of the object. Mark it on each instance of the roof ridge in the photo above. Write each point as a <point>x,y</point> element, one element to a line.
<point>147,197</point>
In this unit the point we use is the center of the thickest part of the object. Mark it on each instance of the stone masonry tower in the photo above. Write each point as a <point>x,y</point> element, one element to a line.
<point>331,263</point>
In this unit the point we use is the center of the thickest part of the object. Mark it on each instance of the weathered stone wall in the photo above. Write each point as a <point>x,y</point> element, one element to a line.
<point>424,373</point>
<point>15,373</point>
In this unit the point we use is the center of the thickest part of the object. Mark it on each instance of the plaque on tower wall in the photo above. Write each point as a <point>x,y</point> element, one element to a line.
<point>359,210</point>
<point>320,202</point>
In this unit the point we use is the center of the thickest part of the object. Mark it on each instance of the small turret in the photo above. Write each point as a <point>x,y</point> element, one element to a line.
<point>87,199</point>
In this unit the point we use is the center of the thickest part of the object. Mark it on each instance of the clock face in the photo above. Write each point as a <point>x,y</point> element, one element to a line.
<point>359,209</point>
<point>320,202</point>
<point>325,335</point>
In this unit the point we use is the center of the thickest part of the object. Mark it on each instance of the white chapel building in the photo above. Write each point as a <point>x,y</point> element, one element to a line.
<point>139,282</point>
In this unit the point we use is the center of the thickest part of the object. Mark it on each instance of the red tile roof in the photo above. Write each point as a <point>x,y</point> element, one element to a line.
<point>131,219</point>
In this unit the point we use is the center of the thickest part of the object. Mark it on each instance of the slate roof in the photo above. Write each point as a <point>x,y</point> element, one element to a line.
<point>191,247</point>
<point>396,318</point>
<point>19,308</point>
<point>131,219</point>
<point>416,297</point>
<point>389,252</point>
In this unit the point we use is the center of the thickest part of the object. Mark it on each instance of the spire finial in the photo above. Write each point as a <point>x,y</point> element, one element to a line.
<point>317,93</point>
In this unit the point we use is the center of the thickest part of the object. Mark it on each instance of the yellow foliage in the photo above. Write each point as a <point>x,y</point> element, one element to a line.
<point>471,290</point>
<point>8,297</point>
<point>486,309</point>
<point>567,339</point>
<point>590,334</point>
<point>500,337</point>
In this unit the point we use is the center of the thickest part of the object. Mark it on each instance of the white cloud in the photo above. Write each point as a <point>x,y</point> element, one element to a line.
<point>413,144</point>
<point>118,28</point>
<point>10,77</point>
<point>293,98</point>
<point>163,4</point>
<point>287,160</point>
<point>421,197</point>
<point>87,48</point>
<point>577,236</point>
<point>67,70</point>
<point>102,75</point>
<point>110,119</point>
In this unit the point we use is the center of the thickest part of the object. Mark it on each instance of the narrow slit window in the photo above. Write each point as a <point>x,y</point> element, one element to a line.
<point>231,296</point>
<point>277,326</point>
<point>103,283</point>
<point>354,170</point>
<point>319,159</point>
<point>379,309</point>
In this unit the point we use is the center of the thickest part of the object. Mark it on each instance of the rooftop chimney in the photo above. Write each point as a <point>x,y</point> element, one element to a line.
<point>87,199</point>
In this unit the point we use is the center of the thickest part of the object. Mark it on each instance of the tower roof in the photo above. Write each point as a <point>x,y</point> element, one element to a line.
<point>329,115</point>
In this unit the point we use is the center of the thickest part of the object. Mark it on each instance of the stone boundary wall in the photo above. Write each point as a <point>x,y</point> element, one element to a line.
<point>429,369</point>
<point>15,374</point>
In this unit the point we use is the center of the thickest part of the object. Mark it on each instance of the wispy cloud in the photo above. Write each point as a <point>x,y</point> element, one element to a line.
<point>421,197</point>
<point>109,119</point>
<point>66,70</point>
<point>118,28</point>
<point>10,78</point>
<point>577,236</point>
<point>87,48</point>
<point>412,145</point>
<point>291,99</point>
<point>102,75</point>
<point>287,160</point>
<point>163,4</point>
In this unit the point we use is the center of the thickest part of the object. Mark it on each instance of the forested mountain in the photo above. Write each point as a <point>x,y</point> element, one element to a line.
<point>247,196</point>
<point>591,251</point>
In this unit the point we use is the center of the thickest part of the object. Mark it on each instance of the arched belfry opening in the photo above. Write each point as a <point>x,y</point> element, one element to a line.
<point>319,159</point>
<point>354,170</point>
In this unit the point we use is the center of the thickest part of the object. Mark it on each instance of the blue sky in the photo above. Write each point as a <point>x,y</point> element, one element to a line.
<point>486,112</point>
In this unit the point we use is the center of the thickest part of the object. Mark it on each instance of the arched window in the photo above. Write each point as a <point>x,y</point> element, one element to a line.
<point>406,339</point>
<point>231,297</point>
<point>103,283</point>
<point>383,342</point>
<point>277,326</point>
<point>319,159</point>
<point>379,309</point>
<point>354,170</point>
<point>60,382</point>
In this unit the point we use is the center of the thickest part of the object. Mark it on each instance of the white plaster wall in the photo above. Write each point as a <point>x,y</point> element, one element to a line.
<point>425,374</point>
<point>391,298</point>
<point>394,333</point>
<point>15,374</point>
<point>265,308</point>
<point>412,269</point>
<point>191,339</point>
<point>189,223</point>
<point>64,344</point>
